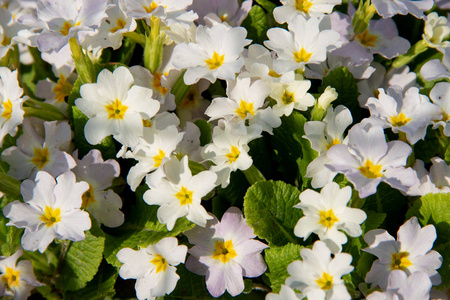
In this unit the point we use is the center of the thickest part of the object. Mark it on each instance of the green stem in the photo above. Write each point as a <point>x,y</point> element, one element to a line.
<point>253,175</point>
<point>418,48</point>
<point>138,38</point>
<point>180,89</point>
<point>65,245</point>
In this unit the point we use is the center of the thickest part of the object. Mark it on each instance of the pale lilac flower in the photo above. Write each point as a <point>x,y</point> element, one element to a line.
<point>368,160</point>
<point>229,11</point>
<point>437,180</point>
<point>435,68</point>
<point>389,8</point>
<point>51,211</point>
<point>411,252</point>
<point>17,279</point>
<point>153,267</point>
<point>225,252</point>
<point>326,214</point>
<point>317,275</point>
<point>11,32</point>
<point>440,95</point>
<point>40,151</point>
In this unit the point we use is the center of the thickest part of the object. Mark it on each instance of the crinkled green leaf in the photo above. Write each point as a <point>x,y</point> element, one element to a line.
<point>205,131</point>
<point>125,53</point>
<point>256,24</point>
<point>267,5</point>
<point>277,259</point>
<point>82,261</point>
<point>268,207</point>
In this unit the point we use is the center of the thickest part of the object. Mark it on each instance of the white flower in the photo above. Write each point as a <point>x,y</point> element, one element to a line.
<point>389,8</point>
<point>215,54</point>
<point>286,293</point>
<point>179,193</point>
<point>440,95</point>
<point>306,8</point>
<point>17,279</point>
<point>115,107</point>
<point>153,267</point>
<point>435,181</point>
<point>51,210</point>
<point>291,95</point>
<point>411,252</point>
<point>325,214</point>
<point>436,30</point>
<point>318,276</point>
<point>435,68</point>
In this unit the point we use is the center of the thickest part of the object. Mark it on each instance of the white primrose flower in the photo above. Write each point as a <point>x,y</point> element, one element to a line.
<point>286,293</point>
<point>230,11</point>
<point>440,95</point>
<point>103,203</point>
<point>11,32</point>
<point>435,181</point>
<point>245,102</point>
<point>225,251</point>
<point>153,267</point>
<point>306,8</point>
<point>229,149</point>
<point>409,113</point>
<point>411,252</point>
<point>35,152</point>
<point>115,106</point>
<point>290,96</point>
<point>435,68</point>
<point>304,43</point>
<point>326,214</point>
<point>17,279</point>
<point>416,286</point>
<point>324,135</point>
<point>11,100</point>
<point>51,210</point>
<point>436,30</point>
<point>318,276</point>
<point>368,159</point>
<point>389,8</point>
<point>215,54</point>
<point>179,193</point>
<point>55,93</point>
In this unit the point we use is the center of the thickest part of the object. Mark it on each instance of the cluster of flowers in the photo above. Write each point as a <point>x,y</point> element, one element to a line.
<point>151,113</point>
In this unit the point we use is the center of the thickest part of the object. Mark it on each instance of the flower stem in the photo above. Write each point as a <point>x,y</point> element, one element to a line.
<point>253,175</point>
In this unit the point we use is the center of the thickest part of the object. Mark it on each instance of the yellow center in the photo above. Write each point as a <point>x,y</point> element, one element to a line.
<point>233,155</point>
<point>328,218</point>
<point>51,216</point>
<point>287,97</point>
<point>6,40</point>
<point>62,89</point>
<point>158,158</point>
<point>120,25</point>
<point>333,142</point>
<point>325,282</point>
<point>116,110</point>
<point>41,157</point>
<point>147,123</point>
<point>399,120</point>
<point>190,99</point>
<point>149,9</point>
<point>272,73</point>
<point>11,277</point>
<point>223,17</point>
<point>400,261</point>
<point>303,5</point>
<point>160,263</point>
<point>302,56</point>
<point>88,197</point>
<point>184,195</point>
<point>7,109</point>
<point>370,170</point>
<point>66,27</point>
<point>366,39</point>
<point>216,61</point>
<point>244,109</point>
<point>157,84</point>
<point>224,251</point>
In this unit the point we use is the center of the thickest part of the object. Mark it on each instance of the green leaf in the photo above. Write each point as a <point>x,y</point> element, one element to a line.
<point>277,259</point>
<point>205,131</point>
<point>10,186</point>
<point>232,195</point>
<point>256,24</point>
<point>364,264</point>
<point>345,84</point>
<point>373,221</point>
<point>140,229</point>
<point>82,261</point>
<point>125,53</point>
<point>268,207</point>
<point>267,5</point>
<point>426,149</point>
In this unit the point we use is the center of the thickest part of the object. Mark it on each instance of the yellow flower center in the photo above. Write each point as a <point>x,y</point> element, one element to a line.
<point>325,282</point>
<point>88,197</point>
<point>328,218</point>
<point>7,109</point>
<point>184,195</point>
<point>149,9</point>
<point>116,110</point>
<point>158,158</point>
<point>66,27</point>
<point>366,39</point>
<point>302,56</point>
<point>223,17</point>
<point>51,216</point>
<point>233,155</point>
<point>400,261</point>
<point>287,97</point>
<point>11,277</point>
<point>160,263</point>
<point>147,123</point>
<point>333,142</point>
<point>272,73</point>
<point>157,84</point>
<point>370,170</point>
<point>190,99</point>
<point>303,5</point>
<point>224,251</point>
<point>399,120</point>
<point>215,61</point>
<point>244,109</point>
<point>41,157</point>
<point>62,89</point>
<point>120,25</point>
<point>6,40</point>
